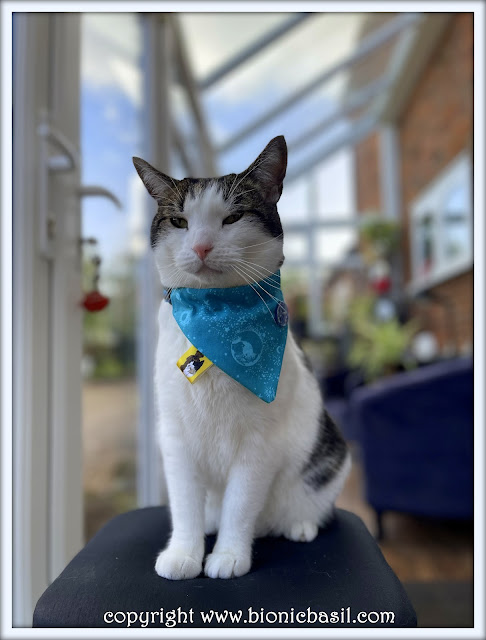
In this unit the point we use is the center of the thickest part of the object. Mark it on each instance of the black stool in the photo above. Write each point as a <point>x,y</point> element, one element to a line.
<point>339,579</point>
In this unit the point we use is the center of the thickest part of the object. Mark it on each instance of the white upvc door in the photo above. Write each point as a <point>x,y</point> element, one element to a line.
<point>47,491</point>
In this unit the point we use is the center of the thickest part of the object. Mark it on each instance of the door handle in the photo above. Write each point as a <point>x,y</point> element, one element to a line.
<point>96,190</point>
<point>67,159</point>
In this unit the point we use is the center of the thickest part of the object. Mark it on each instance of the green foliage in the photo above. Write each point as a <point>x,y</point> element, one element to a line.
<point>108,367</point>
<point>378,347</point>
<point>380,233</point>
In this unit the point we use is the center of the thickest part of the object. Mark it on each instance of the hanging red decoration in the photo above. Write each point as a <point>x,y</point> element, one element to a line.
<point>94,301</point>
<point>381,285</point>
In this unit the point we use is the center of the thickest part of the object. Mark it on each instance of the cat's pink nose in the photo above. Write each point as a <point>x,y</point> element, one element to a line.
<point>202,250</point>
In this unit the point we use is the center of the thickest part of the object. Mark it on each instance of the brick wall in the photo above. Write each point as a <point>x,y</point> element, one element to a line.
<point>450,317</point>
<point>435,126</point>
<point>367,176</point>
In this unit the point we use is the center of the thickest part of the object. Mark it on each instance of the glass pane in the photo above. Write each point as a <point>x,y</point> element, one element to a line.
<point>285,66</point>
<point>456,227</point>
<point>188,132</point>
<point>334,245</point>
<point>335,186</point>
<point>281,69</point>
<point>214,38</point>
<point>426,250</point>
<point>295,247</point>
<point>111,133</point>
<point>293,206</point>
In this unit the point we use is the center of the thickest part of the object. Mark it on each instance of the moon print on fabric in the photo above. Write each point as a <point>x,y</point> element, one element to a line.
<point>247,348</point>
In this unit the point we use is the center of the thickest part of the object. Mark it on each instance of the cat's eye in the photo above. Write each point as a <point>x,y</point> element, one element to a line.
<point>180,223</point>
<point>234,217</point>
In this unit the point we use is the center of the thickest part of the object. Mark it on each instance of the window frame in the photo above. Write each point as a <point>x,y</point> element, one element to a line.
<point>431,201</point>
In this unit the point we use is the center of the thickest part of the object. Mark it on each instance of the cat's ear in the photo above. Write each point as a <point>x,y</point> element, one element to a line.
<point>269,169</point>
<point>157,183</point>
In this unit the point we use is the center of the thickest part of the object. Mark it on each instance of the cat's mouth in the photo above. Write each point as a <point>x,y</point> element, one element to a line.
<point>204,268</point>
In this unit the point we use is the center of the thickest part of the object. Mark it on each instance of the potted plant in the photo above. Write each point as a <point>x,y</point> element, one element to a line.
<point>378,348</point>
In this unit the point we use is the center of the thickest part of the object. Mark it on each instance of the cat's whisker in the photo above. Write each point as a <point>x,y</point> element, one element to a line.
<point>177,189</point>
<point>262,288</point>
<point>257,244</point>
<point>277,300</point>
<point>261,276</point>
<point>242,193</point>
<point>179,277</point>
<point>174,188</point>
<point>241,274</point>
<point>234,187</point>
<point>259,267</point>
<point>251,285</point>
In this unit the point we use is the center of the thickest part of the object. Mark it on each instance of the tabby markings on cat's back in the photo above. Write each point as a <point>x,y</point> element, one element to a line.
<point>328,454</point>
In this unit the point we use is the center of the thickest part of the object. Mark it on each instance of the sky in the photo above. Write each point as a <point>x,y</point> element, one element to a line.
<point>112,125</point>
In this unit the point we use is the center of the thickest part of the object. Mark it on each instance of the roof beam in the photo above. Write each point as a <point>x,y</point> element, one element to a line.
<point>252,50</point>
<point>180,146</point>
<point>358,132</point>
<point>370,43</point>
<point>324,223</point>
<point>187,77</point>
<point>409,61</point>
<point>356,100</point>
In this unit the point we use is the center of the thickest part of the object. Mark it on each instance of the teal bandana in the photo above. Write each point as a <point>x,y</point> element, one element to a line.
<point>241,331</point>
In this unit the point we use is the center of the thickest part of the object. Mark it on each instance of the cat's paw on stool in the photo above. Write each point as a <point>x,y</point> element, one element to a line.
<point>176,564</point>
<point>302,531</point>
<point>227,564</point>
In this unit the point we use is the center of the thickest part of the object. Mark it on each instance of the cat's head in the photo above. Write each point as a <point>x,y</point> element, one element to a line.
<point>218,232</point>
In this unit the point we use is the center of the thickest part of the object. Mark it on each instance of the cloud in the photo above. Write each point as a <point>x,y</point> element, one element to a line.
<point>111,113</point>
<point>211,38</point>
<point>110,54</point>
<point>278,70</point>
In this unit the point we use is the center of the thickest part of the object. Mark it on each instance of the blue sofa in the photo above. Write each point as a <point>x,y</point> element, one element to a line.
<point>337,390</point>
<point>415,430</point>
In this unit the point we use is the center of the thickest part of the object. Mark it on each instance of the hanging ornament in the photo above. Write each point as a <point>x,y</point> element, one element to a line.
<point>379,276</point>
<point>94,300</point>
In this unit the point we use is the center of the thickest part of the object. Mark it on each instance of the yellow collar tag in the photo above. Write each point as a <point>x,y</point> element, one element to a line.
<point>193,364</point>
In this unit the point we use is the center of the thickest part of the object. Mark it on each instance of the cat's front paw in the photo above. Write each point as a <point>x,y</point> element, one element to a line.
<point>176,564</point>
<point>304,531</point>
<point>227,564</point>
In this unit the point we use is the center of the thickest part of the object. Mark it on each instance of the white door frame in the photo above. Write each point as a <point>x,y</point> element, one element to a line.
<point>151,487</point>
<point>47,489</point>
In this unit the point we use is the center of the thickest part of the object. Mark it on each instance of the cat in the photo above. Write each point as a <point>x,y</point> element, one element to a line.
<point>192,364</point>
<point>234,464</point>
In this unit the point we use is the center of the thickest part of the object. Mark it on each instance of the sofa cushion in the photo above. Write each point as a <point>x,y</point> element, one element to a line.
<point>416,432</point>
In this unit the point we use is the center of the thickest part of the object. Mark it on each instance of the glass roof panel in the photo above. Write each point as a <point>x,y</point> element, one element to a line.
<point>213,38</point>
<point>282,69</point>
<point>300,85</point>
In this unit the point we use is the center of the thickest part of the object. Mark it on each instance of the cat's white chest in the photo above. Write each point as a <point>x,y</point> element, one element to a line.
<point>211,415</point>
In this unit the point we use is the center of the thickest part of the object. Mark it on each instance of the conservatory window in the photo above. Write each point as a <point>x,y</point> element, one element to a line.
<point>441,226</point>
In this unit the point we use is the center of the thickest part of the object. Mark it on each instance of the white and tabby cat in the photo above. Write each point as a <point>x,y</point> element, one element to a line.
<point>234,464</point>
